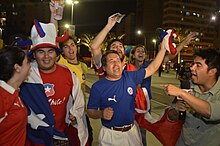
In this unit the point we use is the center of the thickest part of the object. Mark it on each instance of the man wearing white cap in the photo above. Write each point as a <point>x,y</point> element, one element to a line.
<point>52,94</point>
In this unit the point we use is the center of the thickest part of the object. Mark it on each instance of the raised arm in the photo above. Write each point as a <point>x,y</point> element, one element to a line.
<point>155,64</point>
<point>189,37</point>
<point>199,105</point>
<point>96,43</point>
<point>52,20</point>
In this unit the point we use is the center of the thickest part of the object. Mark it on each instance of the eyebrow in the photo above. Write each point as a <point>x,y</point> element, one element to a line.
<point>44,50</point>
<point>197,63</point>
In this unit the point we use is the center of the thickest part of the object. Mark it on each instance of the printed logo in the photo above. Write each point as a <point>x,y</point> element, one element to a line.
<point>112,98</point>
<point>130,91</point>
<point>83,76</point>
<point>49,89</point>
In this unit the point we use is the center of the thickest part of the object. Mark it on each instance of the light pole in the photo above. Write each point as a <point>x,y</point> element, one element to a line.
<point>155,46</point>
<point>215,19</point>
<point>139,32</point>
<point>72,2</point>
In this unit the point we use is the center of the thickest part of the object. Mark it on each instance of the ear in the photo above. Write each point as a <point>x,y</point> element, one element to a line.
<point>213,71</point>
<point>34,56</point>
<point>103,68</point>
<point>17,68</point>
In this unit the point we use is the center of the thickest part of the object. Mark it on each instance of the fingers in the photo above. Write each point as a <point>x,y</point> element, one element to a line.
<point>108,113</point>
<point>181,105</point>
<point>164,85</point>
<point>165,88</point>
<point>72,119</point>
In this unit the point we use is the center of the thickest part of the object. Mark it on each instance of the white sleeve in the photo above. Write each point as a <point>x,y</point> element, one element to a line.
<point>77,109</point>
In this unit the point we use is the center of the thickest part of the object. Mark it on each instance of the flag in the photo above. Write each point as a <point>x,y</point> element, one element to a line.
<point>165,131</point>
<point>40,128</point>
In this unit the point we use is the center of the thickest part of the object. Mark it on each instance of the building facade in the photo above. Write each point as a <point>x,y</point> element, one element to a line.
<point>182,15</point>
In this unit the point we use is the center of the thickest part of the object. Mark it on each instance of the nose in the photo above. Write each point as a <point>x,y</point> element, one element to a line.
<point>192,67</point>
<point>46,54</point>
<point>71,49</point>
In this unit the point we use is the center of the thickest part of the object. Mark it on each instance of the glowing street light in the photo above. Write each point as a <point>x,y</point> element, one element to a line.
<point>67,26</point>
<point>213,18</point>
<point>155,46</point>
<point>139,32</point>
<point>72,2</point>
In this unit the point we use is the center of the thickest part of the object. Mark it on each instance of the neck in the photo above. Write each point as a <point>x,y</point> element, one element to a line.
<point>138,64</point>
<point>14,83</point>
<point>72,61</point>
<point>208,86</point>
<point>112,78</point>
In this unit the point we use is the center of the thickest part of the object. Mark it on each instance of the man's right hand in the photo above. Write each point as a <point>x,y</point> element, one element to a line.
<point>112,21</point>
<point>107,113</point>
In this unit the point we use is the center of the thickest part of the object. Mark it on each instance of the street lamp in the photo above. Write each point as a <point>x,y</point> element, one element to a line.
<point>139,32</point>
<point>72,2</point>
<point>155,46</point>
<point>71,29</point>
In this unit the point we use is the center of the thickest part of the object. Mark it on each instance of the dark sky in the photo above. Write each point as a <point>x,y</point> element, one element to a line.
<point>92,15</point>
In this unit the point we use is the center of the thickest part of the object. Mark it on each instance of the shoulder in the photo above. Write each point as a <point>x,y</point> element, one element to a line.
<point>84,67</point>
<point>64,70</point>
<point>146,63</point>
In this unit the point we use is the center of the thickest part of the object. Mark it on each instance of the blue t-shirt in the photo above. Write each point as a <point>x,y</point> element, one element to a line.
<point>119,95</point>
<point>147,81</point>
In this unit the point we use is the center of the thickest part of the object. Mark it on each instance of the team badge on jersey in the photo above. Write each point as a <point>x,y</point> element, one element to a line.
<point>130,91</point>
<point>83,76</point>
<point>49,89</point>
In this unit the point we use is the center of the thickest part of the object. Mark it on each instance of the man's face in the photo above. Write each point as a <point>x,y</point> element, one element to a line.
<point>199,71</point>
<point>118,46</point>
<point>70,50</point>
<point>113,66</point>
<point>139,54</point>
<point>46,59</point>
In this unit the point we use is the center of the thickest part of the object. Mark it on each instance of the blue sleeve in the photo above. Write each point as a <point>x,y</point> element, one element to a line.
<point>94,99</point>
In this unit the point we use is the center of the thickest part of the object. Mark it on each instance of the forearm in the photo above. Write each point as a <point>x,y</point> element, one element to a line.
<point>95,114</point>
<point>155,64</point>
<point>199,105</point>
<point>180,46</point>
<point>97,42</point>
<point>54,21</point>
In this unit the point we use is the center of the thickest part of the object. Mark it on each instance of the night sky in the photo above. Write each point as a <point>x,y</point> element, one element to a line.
<point>91,15</point>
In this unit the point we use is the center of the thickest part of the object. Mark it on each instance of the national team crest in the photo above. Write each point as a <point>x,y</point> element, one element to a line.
<point>49,89</point>
<point>130,91</point>
<point>83,76</point>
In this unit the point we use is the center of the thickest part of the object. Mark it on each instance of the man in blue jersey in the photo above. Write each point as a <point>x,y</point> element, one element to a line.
<point>112,99</point>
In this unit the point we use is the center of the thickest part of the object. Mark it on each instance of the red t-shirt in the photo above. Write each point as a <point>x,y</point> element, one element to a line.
<point>13,119</point>
<point>58,86</point>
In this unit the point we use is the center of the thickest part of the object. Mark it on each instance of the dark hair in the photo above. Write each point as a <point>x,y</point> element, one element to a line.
<point>9,56</point>
<point>111,42</point>
<point>104,56</point>
<point>61,44</point>
<point>211,57</point>
<point>131,59</point>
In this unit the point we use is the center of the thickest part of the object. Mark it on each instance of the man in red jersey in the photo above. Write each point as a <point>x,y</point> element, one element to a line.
<point>56,88</point>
